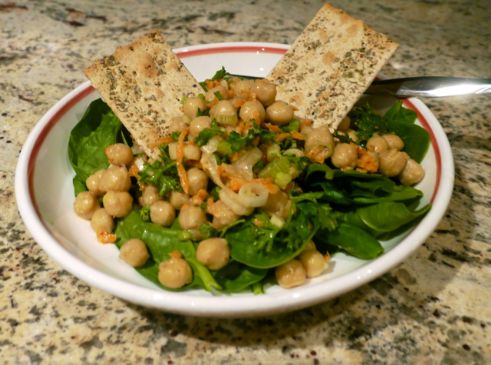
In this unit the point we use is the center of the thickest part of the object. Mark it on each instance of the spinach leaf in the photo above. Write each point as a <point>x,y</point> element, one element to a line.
<point>97,129</point>
<point>388,216</point>
<point>401,121</point>
<point>355,241</point>
<point>78,185</point>
<point>333,194</point>
<point>398,114</point>
<point>400,193</point>
<point>258,243</point>
<point>416,139</point>
<point>328,172</point>
<point>236,277</point>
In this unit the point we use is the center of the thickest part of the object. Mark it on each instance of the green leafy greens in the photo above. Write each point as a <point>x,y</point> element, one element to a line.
<point>97,129</point>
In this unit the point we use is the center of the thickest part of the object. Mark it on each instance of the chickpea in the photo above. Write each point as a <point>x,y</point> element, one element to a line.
<point>191,151</point>
<point>197,180</point>
<point>394,141</point>
<point>352,134</point>
<point>412,173</point>
<point>191,216</point>
<point>178,199</point>
<point>279,113</point>
<point>344,156</point>
<point>115,178</point>
<point>101,221</point>
<point>134,252</point>
<point>313,262</point>
<point>252,110</point>
<point>177,124</point>
<point>93,182</point>
<point>392,162</point>
<point>117,203</point>
<point>192,105</point>
<point>175,272</point>
<point>290,274</point>
<point>242,88</point>
<point>224,112</point>
<point>320,139</point>
<point>198,124</point>
<point>377,144</point>
<point>211,94</point>
<point>310,246</point>
<point>265,91</point>
<point>162,212</point>
<point>222,214</point>
<point>214,253</point>
<point>149,195</point>
<point>345,124</point>
<point>119,154</point>
<point>85,204</point>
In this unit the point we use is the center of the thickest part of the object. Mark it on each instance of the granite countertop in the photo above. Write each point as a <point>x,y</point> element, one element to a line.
<point>433,308</point>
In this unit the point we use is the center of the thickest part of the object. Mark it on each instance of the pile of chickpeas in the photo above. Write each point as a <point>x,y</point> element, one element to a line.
<point>113,184</point>
<point>383,154</point>
<point>230,103</point>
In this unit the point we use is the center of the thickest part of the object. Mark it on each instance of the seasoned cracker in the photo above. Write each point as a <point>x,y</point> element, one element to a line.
<point>143,83</point>
<point>330,65</point>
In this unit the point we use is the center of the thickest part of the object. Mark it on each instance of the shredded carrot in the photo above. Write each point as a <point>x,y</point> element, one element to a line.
<point>181,171</point>
<point>106,237</point>
<point>305,123</point>
<point>317,154</point>
<point>367,161</point>
<point>272,127</point>
<point>133,171</point>
<point>243,126</point>
<point>210,84</point>
<point>162,140</point>
<point>297,135</point>
<point>212,103</point>
<point>199,197</point>
<point>238,102</point>
<point>221,169</point>
<point>235,183</point>
<point>176,254</point>
<point>235,156</point>
<point>282,136</point>
<point>268,184</point>
<point>210,204</point>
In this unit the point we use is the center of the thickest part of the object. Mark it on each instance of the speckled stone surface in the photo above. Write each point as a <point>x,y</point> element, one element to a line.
<point>433,309</point>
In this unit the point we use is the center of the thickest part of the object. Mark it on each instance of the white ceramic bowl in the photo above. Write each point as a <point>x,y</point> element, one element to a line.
<point>44,195</point>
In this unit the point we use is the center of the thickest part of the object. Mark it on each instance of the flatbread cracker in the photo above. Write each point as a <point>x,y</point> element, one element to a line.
<point>143,83</point>
<point>330,65</point>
